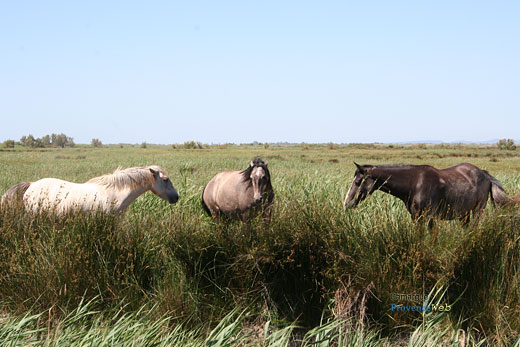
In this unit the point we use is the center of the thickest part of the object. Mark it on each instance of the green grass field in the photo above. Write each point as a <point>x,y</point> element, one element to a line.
<point>169,275</point>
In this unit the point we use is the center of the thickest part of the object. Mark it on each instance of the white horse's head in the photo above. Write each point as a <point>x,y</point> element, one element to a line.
<point>162,186</point>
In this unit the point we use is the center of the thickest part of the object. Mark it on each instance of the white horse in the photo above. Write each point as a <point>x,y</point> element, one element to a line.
<point>110,193</point>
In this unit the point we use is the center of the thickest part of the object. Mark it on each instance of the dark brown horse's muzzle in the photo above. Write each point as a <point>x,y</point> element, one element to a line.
<point>174,198</point>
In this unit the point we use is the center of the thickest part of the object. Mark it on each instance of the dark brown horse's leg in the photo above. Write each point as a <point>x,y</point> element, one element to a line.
<point>419,217</point>
<point>477,214</point>
<point>465,220</point>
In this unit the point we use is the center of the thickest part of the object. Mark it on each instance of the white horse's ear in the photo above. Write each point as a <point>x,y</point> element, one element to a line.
<point>266,162</point>
<point>252,163</point>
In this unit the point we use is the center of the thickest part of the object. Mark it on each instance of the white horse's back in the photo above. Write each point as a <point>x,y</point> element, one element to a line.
<point>61,196</point>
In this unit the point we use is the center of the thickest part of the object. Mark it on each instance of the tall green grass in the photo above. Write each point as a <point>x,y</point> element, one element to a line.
<point>86,326</point>
<point>315,269</point>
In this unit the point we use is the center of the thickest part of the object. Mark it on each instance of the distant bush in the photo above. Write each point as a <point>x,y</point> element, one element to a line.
<point>361,145</point>
<point>8,144</point>
<point>96,143</point>
<point>61,140</point>
<point>225,145</point>
<point>331,145</point>
<point>506,144</point>
<point>419,146</point>
<point>192,145</point>
<point>143,144</point>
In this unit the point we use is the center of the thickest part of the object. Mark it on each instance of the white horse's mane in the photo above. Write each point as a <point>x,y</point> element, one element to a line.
<point>132,177</point>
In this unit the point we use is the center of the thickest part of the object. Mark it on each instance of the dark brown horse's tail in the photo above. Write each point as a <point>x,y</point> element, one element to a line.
<point>14,195</point>
<point>498,194</point>
<point>204,206</point>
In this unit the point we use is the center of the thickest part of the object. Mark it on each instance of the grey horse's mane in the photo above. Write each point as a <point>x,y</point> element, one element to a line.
<point>131,177</point>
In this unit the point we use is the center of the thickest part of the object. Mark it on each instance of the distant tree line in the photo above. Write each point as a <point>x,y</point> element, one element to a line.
<point>53,140</point>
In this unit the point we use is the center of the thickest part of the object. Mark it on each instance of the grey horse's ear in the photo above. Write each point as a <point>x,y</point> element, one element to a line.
<point>266,162</point>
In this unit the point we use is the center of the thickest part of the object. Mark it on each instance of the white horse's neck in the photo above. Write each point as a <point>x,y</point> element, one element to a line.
<point>124,186</point>
<point>124,197</point>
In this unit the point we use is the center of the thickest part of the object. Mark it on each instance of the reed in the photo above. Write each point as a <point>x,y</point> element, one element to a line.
<point>314,273</point>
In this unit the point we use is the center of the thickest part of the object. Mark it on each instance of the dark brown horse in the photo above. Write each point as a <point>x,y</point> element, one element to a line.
<point>240,194</point>
<point>452,193</point>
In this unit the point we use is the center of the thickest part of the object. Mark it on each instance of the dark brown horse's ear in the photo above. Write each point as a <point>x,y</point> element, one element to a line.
<point>359,167</point>
<point>153,171</point>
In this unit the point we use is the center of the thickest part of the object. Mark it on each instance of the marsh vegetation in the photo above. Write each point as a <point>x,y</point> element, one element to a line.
<point>169,274</point>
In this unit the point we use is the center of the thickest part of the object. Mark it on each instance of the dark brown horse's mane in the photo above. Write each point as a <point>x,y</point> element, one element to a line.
<point>393,166</point>
<point>257,162</point>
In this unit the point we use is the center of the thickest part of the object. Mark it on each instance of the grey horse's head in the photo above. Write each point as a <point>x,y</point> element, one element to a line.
<point>260,179</point>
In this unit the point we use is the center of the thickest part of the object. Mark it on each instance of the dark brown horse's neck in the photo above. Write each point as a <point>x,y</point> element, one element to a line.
<point>395,181</point>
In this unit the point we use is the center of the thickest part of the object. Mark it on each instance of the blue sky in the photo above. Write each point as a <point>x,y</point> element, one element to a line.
<point>240,71</point>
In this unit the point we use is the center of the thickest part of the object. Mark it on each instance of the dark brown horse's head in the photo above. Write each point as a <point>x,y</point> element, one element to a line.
<point>362,186</point>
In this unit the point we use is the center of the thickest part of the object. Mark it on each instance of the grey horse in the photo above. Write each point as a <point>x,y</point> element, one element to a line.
<point>240,194</point>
